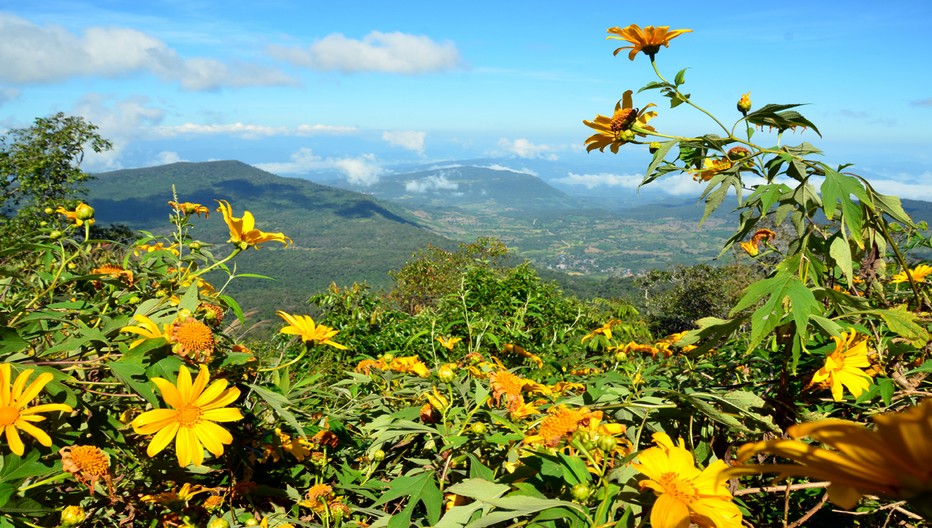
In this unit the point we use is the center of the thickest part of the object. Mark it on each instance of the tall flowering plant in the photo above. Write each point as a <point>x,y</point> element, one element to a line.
<point>828,312</point>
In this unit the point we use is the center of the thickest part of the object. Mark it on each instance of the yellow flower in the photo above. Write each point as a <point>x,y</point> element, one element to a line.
<point>147,329</point>
<point>894,460</point>
<point>710,167</point>
<point>88,464</point>
<point>191,338</point>
<point>448,342</point>
<point>15,416</point>
<point>304,326</point>
<point>114,271</point>
<point>605,330</point>
<point>647,40</point>
<point>409,365</point>
<point>844,366</point>
<point>919,274</point>
<point>750,248</point>
<point>624,126</point>
<point>195,408</point>
<point>560,423</point>
<point>317,498</point>
<point>521,351</point>
<point>149,248</point>
<point>189,208</point>
<point>686,495</point>
<point>243,232</point>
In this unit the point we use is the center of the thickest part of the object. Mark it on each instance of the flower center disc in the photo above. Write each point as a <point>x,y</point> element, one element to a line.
<point>189,416</point>
<point>678,488</point>
<point>8,415</point>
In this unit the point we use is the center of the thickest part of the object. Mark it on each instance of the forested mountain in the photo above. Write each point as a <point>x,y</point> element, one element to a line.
<point>339,236</point>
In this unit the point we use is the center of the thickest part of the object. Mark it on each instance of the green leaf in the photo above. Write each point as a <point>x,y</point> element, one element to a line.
<point>903,322</point>
<point>840,251</point>
<point>781,289</point>
<point>10,341</point>
<point>131,371</point>
<point>680,77</point>
<point>418,488</point>
<point>237,310</point>
<point>278,403</point>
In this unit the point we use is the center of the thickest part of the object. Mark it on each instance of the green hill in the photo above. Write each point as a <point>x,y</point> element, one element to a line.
<point>339,236</point>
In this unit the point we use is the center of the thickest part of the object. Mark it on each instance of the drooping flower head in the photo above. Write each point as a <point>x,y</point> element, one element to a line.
<point>15,416</point>
<point>243,232</point>
<point>82,214</point>
<point>685,494</point>
<point>893,460</point>
<point>844,367</point>
<point>625,125</point>
<point>647,40</point>
<point>310,332</point>
<point>191,419</point>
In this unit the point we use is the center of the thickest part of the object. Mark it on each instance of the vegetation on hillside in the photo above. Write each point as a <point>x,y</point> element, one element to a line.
<point>475,393</point>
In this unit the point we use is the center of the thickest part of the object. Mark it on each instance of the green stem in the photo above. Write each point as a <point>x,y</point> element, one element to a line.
<point>235,252</point>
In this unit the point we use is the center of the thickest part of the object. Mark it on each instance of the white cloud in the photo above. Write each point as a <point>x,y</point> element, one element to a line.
<point>41,54</point>
<point>603,179</point>
<point>525,149</point>
<point>166,157</point>
<point>406,139</point>
<point>119,120</point>
<point>435,182</point>
<point>250,131</point>
<point>377,52</point>
<point>364,170</point>
<point>904,189</point>
<point>523,170</point>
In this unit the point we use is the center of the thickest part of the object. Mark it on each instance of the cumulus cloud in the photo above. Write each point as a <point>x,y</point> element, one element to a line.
<point>376,52</point>
<point>523,148</point>
<point>119,120</point>
<point>166,157</point>
<point>406,139</point>
<point>41,54</point>
<point>250,131</point>
<point>435,182</point>
<point>365,170</point>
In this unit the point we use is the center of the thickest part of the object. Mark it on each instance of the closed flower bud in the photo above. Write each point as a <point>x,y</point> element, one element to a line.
<point>194,246</point>
<point>627,135</point>
<point>55,235</point>
<point>378,455</point>
<point>581,492</point>
<point>445,373</point>
<point>72,516</point>
<point>654,146</point>
<point>49,210</point>
<point>219,523</point>
<point>744,104</point>
<point>84,212</point>
<point>607,443</point>
<point>478,428</point>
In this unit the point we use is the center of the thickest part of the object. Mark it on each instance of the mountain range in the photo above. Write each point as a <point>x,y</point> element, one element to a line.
<point>358,234</point>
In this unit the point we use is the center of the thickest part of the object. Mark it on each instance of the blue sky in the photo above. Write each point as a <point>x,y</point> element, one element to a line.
<point>310,87</point>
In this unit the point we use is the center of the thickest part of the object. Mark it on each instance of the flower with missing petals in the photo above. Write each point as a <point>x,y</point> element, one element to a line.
<point>647,40</point>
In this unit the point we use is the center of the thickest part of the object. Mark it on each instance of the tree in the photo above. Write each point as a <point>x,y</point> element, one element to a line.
<point>40,166</point>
